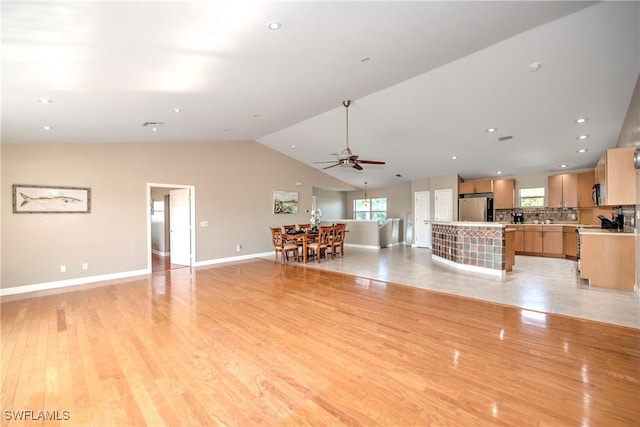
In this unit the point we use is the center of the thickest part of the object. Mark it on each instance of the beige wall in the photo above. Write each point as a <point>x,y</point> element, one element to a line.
<point>398,200</point>
<point>233,183</point>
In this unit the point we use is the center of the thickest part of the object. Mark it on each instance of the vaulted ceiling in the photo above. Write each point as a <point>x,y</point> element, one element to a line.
<point>427,79</point>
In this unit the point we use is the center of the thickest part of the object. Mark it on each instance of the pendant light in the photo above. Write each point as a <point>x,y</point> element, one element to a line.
<point>365,202</point>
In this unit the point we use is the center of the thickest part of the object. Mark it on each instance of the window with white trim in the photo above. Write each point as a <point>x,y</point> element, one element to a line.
<point>532,197</point>
<point>375,208</point>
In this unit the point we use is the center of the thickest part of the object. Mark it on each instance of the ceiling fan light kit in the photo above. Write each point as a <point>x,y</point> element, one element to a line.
<point>347,158</point>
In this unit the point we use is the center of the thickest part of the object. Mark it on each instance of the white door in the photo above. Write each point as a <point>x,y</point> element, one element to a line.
<point>180,226</point>
<point>422,217</point>
<point>444,205</point>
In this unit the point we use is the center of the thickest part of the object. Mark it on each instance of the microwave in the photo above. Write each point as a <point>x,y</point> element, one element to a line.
<point>598,194</point>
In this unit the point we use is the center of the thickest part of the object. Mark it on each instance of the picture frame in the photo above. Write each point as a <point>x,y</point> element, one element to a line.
<point>285,202</point>
<point>50,199</point>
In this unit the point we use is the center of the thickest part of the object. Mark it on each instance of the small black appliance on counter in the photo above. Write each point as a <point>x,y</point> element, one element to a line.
<point>518,218</point>
<point>607,223</point>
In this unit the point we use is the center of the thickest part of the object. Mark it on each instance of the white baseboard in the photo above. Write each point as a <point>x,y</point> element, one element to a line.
<point>353,245</point>
<point>70,282</point>
<point>231,259</point>
<point>473,268</point>
<point>162,254</point>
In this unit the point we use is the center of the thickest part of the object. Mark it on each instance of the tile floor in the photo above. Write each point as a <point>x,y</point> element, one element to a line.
<point>539,284</point>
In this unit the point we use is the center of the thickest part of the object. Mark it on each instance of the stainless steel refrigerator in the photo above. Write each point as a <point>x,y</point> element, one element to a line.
<point>475,209</point>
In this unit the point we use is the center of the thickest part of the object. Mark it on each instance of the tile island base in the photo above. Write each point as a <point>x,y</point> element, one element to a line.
<point>484,247</point>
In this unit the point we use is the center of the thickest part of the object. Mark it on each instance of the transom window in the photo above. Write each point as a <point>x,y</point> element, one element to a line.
<point>370,209</point>
<point>532,197</point>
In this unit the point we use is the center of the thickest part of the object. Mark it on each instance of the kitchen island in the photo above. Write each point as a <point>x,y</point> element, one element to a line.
<point>485,247</point>
<point>608,258</point>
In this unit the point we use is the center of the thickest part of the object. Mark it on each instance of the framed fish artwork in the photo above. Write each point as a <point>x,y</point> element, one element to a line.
<point>49,199</point>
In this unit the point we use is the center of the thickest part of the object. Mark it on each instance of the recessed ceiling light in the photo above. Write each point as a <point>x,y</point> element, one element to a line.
<point>177,110</point>
<point>274,25</point>
<point>454,157</point>
<point>582,137</point>
<point>564,165</point>
<point>582,150</point>
<point>581,120</point>
<point>499,172</point>
<point>492,130</point>
<point>44,101</point>
<point>293,147</point>
<point>46,127</point>
<point>535,66</point>
<point>399,175</point>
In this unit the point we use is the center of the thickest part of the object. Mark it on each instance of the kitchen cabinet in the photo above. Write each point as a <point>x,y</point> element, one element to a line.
<point>617,176</point>
<point>608,259</point>
<point>473,187</point>
<point>533,239</point>
<point>570,241</point>
<point>543,240</point>
<point>504,193</point>
<point>563,191</point>
<point>519,238</point>
<point>585,189</point>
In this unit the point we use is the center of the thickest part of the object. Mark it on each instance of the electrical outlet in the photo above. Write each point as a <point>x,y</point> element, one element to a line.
<point>238,248</point>
<point>85,266</point>
<point>63,269</point>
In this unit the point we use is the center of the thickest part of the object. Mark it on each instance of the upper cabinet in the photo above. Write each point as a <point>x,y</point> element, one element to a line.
<point>472,187</point>
<point>585,189</point>
<point>617,177</point>
<point>504,193</point>
<point>563,191</point>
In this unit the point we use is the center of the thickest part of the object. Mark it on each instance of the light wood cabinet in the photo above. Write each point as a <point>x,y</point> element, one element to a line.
<point>616,173</point>
<point>552,243</point>
<point>473,187</point>
<point>519,238</point>
<point>585,189</point>
<point>533,239</point>
<point>504,193</point>
<point>570,241</point>
<point>608,260</point>
<point>543,240</point>
<point>563,191</point>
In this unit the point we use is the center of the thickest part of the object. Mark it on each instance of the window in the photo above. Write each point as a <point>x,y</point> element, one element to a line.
<point>531,197</point>
<point>370,209</point>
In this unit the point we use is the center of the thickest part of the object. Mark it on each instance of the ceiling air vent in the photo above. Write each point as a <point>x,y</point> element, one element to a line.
<point>152,124</point>
<point>505,138</point>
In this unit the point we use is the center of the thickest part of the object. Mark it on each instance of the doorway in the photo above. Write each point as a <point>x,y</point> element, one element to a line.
<point>422,217</point>
<point>170,231</point>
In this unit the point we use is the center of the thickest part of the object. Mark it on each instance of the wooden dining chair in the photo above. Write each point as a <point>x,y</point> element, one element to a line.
<point>336,241</point>
<point>304,227</point>
<point>289,227</point>
<point>320,246</point>
<point>282,245</point>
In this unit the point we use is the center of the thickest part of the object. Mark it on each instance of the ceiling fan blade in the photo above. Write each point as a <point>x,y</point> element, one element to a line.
<point>331,166</point>
<point>330,161</point>
<point>371,162</point>
<point>357,166</point>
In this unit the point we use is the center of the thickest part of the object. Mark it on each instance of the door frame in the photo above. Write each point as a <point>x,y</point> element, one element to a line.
<point>192,219</point>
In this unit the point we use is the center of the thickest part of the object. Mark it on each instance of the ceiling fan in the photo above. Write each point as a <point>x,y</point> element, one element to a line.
<point>347,158</point>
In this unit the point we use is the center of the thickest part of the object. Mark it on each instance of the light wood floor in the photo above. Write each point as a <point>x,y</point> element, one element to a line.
<point>259,343</point>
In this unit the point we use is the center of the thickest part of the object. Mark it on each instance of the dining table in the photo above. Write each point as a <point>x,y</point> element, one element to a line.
<point>304,236</point>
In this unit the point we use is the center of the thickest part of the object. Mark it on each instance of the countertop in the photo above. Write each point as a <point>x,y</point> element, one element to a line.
<point>606,232</point>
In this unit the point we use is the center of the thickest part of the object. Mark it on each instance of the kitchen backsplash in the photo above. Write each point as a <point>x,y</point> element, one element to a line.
<point>562,215</point>
<point>541,214</point>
